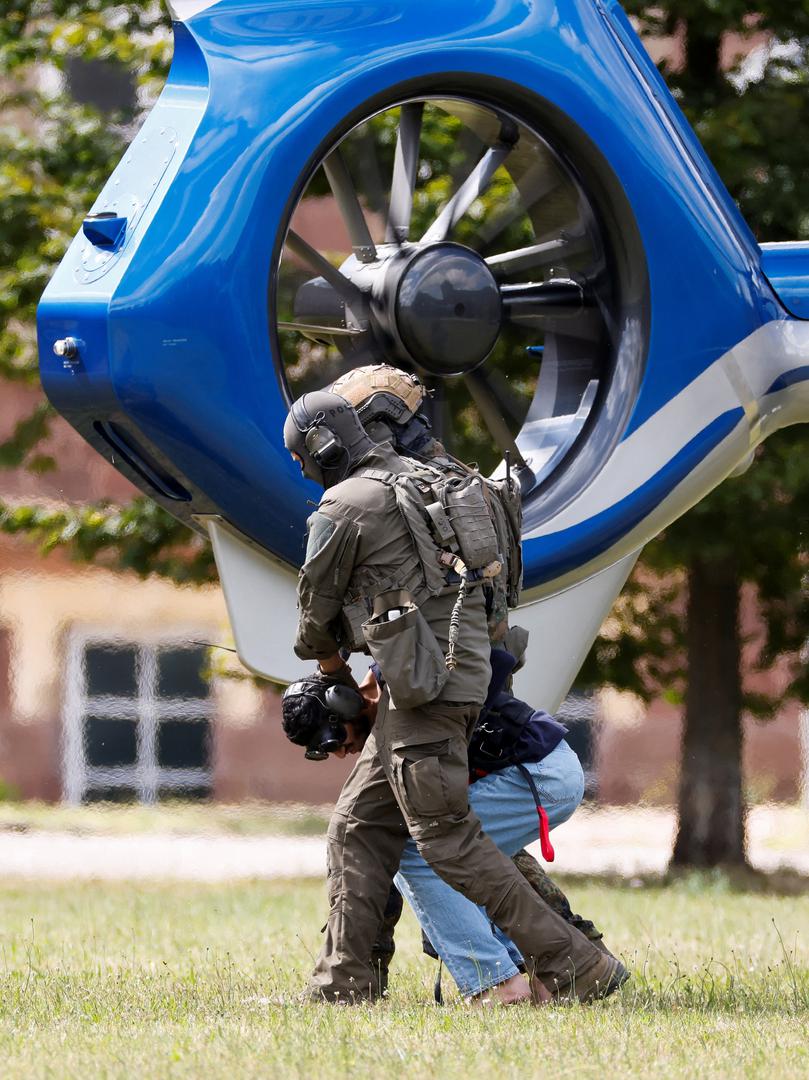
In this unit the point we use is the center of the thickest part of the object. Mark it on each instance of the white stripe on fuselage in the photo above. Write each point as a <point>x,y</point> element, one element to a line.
<point>740,378</point>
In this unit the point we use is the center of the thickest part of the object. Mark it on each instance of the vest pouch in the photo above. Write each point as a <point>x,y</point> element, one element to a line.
<point>506,505</point>
<point>408,655</point>
<point>471,520</point>
<point>355,612</point>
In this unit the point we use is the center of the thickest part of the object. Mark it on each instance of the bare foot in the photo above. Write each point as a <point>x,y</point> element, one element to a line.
<point>510,992</point>
<point>540,994</point>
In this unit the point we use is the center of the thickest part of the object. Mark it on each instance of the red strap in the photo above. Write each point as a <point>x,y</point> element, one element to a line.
<point>548,854</point>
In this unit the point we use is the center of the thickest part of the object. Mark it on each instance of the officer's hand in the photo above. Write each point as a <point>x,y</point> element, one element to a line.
<point>371,692</point>
<point>333,670</point>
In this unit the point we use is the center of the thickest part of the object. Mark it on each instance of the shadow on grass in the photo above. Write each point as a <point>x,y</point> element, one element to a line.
<point>735,879</point>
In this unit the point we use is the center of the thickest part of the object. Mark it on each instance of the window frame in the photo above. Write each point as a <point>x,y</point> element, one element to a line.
<point>145,777</point>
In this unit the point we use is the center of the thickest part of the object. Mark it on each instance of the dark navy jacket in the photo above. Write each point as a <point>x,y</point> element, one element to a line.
<point>509,731</point>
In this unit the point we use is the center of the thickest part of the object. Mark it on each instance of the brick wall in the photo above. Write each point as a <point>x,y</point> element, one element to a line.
<point>29,753</point>
<point>256,761</point>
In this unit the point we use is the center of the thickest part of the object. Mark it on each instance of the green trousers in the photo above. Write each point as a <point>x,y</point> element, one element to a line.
<point>412,778</point>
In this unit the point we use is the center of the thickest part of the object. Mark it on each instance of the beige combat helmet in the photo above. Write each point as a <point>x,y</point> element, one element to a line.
<point>381,390</point>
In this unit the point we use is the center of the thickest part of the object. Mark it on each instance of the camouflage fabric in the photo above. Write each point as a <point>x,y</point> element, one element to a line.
<point>498,616</point>
<point>553,896</point>
<point>360,385</point>
<point>412,778</point>
<point>550,892</point>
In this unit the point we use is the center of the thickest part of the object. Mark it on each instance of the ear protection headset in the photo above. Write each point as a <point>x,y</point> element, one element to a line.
<point>334,703</point>
<point>324,445</point>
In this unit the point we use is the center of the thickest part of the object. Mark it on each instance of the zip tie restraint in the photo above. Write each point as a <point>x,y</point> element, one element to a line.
<point>548,854</point>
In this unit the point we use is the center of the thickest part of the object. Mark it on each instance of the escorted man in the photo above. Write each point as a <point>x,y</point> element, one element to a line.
<point>375,577</point>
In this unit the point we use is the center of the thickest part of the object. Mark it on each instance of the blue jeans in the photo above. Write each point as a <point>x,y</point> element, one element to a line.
<point>477,954</point>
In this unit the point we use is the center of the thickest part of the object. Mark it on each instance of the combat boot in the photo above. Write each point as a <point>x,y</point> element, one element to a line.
<point>554,897</point>
<point>607,976</point>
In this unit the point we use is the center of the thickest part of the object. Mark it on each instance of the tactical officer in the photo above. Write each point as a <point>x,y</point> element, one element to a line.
<point>390,404</point>
<point>412,774</point>
<point>519,752</point>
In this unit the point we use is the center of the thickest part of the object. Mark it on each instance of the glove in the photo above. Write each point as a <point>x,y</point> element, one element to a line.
<point>342,676</point>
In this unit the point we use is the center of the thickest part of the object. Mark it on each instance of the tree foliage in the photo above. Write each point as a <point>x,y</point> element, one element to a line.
<point>757,525</point>
<point>56,152</point>
<point>140,537</point>
<point>742,81</point>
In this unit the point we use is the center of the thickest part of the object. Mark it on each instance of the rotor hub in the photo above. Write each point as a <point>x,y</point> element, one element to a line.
<point>447,309</point>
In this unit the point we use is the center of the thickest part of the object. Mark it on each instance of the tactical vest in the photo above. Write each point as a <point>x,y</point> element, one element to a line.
<point>458,521</point>
<point>505,507</point>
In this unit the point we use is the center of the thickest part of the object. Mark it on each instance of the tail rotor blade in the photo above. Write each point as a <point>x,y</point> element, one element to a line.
<point>405,170</point>
<point>346,198</point>
<point>472,188</point>
<point>537,255</point>
<point>492,415</point>
<point>320,265</point>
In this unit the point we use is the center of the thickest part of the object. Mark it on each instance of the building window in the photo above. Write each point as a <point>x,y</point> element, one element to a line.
<point>137,723</point>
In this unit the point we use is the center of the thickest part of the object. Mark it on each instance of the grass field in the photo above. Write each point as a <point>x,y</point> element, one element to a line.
<point>180,818</point>
<point>114,980</point>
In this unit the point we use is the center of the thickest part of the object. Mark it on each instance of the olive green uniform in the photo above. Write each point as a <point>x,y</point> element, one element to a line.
<point>359,546</point>
<point>411,777</point>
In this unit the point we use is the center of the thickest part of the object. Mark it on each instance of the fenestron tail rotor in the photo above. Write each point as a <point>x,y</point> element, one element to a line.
<point>448,237</point>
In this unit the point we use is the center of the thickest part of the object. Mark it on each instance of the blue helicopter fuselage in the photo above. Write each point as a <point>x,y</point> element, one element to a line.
<point>173,367</point>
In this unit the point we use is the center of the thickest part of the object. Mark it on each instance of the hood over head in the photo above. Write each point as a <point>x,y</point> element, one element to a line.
<point>323,429</point>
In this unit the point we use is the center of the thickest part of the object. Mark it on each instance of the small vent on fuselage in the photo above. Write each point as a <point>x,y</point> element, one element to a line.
<point>122,444</point>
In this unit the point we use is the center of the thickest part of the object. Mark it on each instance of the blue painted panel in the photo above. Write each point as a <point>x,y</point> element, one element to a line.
<point>554,555</point>
<point>789,378</point>
<point>178,343</point>
<point>787,270</point>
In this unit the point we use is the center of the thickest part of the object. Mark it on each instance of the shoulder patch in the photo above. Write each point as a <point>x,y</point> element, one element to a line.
<point>321,529</point>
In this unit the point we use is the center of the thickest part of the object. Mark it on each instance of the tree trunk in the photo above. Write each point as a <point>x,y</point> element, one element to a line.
<point>711,812</point>
<point>703,46</point>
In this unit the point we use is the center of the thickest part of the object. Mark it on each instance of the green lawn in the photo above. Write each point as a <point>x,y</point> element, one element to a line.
<point>200,981</point>
<point>180,817</point>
